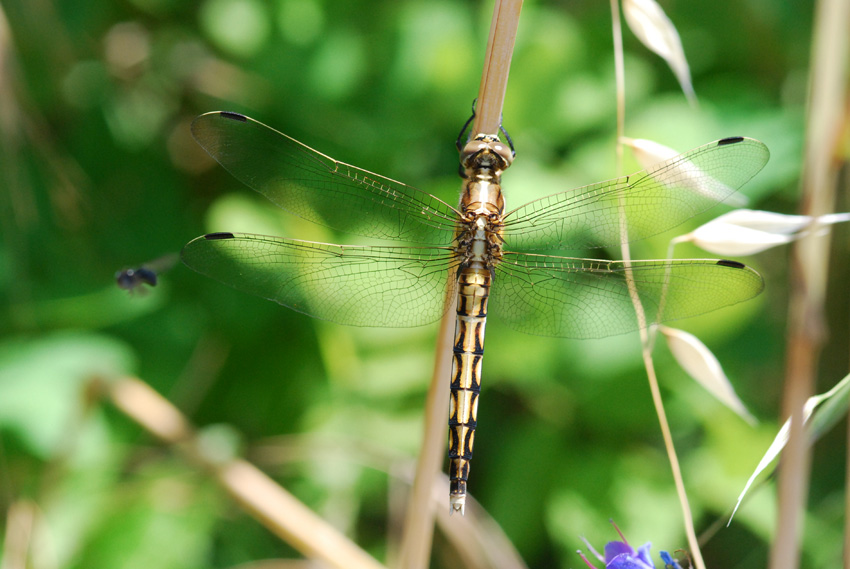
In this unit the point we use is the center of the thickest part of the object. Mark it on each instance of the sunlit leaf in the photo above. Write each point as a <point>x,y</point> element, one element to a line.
<point>42,383</point>
<point>239,27</point>
<point>698,361</point>
<point>655,30</point>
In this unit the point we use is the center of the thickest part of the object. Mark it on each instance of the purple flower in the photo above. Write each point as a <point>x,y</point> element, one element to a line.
<point>669,561</point>
<point>621,555</point>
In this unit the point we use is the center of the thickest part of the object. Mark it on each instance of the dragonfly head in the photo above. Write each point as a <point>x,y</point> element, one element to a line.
<point>485,151</point>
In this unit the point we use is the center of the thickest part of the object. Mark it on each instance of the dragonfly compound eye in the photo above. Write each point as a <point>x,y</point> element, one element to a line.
<point>486,151</point>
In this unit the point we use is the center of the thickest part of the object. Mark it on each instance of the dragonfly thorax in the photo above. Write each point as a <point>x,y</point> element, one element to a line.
<point>479,242</point>
<point>483,159</point>
<point>482,205</point>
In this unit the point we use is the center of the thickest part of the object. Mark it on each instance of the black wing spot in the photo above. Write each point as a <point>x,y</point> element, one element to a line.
<point>233,116</point>
<point>731,264</point>
<point>730,140</point>
<point>213,236</point>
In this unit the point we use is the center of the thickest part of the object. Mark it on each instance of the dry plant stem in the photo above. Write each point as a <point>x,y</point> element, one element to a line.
<point>646,350</point>
<point>827,92</point>
<point>693,544</point>
<point>21,519</point>
<point>258,494</point>
<point>418,530</point>
<point>474,536</point>
<point>497,63</point>
<point>645,337</point>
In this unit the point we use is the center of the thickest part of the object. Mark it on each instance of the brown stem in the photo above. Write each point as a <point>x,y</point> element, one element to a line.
<point>419,519</point>
<point>258,494</point>
<point>497,63</point>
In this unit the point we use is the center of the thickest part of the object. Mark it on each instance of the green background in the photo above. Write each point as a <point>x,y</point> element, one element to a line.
<point>99,172</point>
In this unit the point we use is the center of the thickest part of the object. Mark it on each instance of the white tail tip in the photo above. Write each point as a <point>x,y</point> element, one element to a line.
<point>457,504</point>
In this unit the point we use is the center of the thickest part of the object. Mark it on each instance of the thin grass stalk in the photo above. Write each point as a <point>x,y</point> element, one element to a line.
<point>827,93</point>
<point>645,337</point>
<point>620,78</point>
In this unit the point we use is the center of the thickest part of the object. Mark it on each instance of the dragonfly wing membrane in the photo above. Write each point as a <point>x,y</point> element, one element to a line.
<point>356,286</point>
<point>646,203</point>
<point>588,298</point>
<point>316,187</point>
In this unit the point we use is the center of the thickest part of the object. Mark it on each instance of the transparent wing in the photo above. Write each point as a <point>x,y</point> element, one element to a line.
<point>311,185</point>
<point>356,286</point>
<point>588,298</point>
<point>653,200</point>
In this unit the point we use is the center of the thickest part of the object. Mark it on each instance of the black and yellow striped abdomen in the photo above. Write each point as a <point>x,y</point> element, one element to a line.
<point>468,353</point>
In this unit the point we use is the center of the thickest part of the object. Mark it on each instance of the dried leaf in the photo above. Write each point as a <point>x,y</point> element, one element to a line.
<point>698,361</point>
<point>733,240</point>
<point>836,399</point>
<point>746,232</point>
<point>655,30</point>
<point>773,222</point>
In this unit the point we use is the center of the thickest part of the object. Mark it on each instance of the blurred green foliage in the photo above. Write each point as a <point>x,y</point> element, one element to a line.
<point>98,172</point>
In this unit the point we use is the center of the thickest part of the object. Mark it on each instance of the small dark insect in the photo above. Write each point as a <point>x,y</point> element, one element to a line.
<point>147,274</point>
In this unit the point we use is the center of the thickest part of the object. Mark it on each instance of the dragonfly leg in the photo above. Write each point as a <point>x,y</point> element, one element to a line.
<point>460,142</point>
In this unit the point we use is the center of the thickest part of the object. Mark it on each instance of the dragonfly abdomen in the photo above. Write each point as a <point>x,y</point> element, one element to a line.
<point>468,353</point>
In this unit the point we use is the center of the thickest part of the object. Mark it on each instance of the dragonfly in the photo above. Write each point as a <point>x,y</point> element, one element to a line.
<point>480,252</point>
